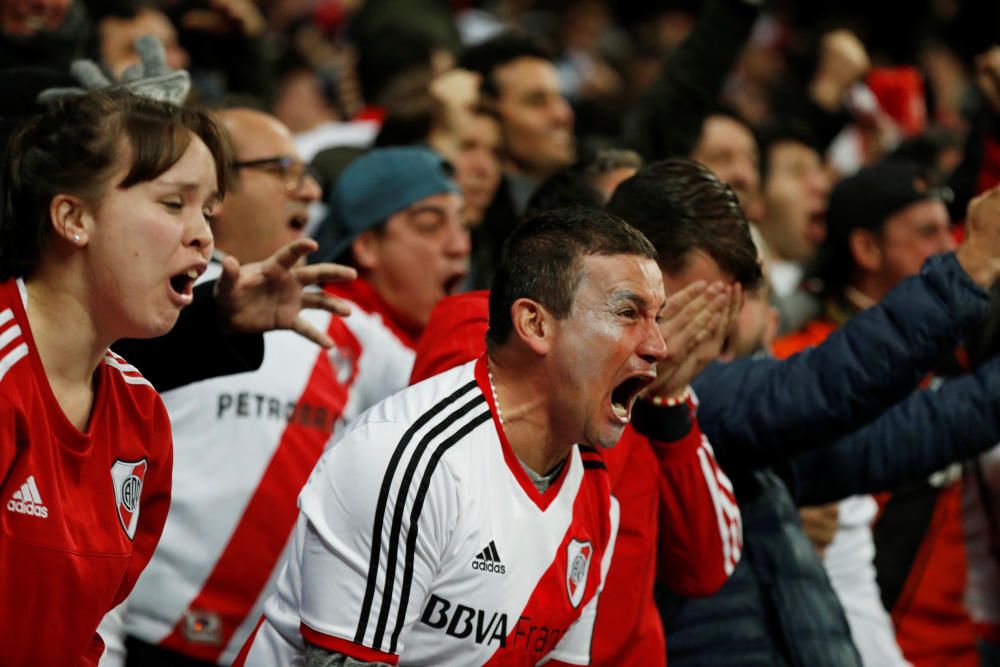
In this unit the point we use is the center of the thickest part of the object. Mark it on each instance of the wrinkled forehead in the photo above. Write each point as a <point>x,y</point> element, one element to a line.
<point>612,278</point>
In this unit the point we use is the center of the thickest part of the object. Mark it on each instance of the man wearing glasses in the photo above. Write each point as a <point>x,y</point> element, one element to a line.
<point>244,444</point>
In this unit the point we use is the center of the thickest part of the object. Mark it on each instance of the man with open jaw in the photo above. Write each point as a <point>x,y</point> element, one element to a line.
<point>493,462</point>
<point>612,325</point>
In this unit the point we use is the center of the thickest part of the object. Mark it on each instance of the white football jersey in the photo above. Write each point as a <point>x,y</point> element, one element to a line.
<point>421,539</point>
<point>244,445</point>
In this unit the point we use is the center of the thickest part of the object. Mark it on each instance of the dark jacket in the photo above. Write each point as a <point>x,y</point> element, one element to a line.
<point>778,607</point>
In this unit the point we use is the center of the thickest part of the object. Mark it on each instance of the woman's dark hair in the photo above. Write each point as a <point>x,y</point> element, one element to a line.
<point>74,147</point>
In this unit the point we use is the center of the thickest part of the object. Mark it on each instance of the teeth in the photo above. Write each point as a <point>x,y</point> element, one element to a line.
<point>192,274</point>
<point>620,410</point>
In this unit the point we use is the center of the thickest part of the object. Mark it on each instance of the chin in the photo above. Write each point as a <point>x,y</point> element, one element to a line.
<point>608,438</point>
<point>153,327</point>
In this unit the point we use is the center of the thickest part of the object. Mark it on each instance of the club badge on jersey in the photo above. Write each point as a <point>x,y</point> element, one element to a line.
<point>578,565</point>
<point>127,477</point>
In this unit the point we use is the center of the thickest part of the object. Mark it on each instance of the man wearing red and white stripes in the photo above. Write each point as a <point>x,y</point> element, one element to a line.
<point>675,500</point>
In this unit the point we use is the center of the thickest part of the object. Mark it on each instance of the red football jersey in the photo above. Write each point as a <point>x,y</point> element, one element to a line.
<point>82,511</point>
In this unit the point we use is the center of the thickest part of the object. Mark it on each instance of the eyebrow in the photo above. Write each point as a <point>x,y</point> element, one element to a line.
<point>184,185</point>
<point>628,296</point>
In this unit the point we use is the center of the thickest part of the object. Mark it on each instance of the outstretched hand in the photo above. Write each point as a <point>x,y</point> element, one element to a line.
<point>268,295</point>
<point>695,324</point>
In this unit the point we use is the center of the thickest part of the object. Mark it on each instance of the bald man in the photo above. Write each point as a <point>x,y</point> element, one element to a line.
<point>245,444</point>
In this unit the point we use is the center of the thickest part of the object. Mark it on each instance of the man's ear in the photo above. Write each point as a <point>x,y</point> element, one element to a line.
<point>70,219</point>
<point>533,324</point>
<point>365,248</point>
<point>865,250</point>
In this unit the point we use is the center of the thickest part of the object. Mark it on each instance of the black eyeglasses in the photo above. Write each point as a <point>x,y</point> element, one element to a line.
<point>291,171</point>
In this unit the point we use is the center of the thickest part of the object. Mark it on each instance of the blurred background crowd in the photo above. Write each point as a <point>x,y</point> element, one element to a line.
<point>854,135</point>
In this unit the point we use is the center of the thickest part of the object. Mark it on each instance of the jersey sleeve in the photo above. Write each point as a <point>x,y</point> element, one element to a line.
<point>700,528</point>
<point>377,529</point>
<point>384,364</point>
<point>574,647</point>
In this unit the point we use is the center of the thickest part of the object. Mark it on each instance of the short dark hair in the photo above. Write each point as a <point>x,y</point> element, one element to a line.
<point>542,260</point>
<point>75,145</point>
<point>681,207</point>
<point>567,187</point>
<point>387,52</point>
<point>787,131</point>
<point>575,185</point>
<point>485,58</point>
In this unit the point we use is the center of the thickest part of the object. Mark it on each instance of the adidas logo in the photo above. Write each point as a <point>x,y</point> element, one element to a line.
<point>488,560</point>
<point>27,500</point>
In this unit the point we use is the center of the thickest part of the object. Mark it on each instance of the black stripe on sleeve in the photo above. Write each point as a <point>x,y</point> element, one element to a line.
<point>399,511</point>
<point>383,496</point>
<point>418,503</point>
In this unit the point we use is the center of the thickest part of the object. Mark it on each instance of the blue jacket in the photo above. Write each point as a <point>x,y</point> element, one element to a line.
<point>778,607</point>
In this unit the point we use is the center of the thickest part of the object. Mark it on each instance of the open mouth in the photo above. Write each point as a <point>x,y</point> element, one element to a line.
<point>183,283</point>
<point>453,284</point>
<point>298,222</point>
<point>623,396</point>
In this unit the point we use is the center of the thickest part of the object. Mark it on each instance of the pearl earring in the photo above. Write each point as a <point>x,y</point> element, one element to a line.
<point>76,238</point>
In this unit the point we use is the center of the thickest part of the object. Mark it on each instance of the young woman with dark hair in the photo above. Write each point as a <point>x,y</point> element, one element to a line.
<point>104,229</point>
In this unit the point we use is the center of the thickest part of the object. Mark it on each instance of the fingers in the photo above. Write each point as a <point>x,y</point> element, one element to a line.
<point>290,254</point>
<point>306,330</point>
<point>226,283</point>
<point>323,301</point>
<point>677,301</point>
<point>682,306</point>
<point>701,325</point>
<point>318,274</point>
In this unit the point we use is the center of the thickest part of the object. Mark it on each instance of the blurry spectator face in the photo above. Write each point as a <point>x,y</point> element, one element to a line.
<point>118,37</point>
<point>907,239</point>
<point>477,164</point>
<point>268,205</point>
<point>755,328</point>
<point>418,257</point>
<point>537,121</point>
<point>26,17</point>
<point>796,189</point>
<point>300,103</point>
<point>729,149</point>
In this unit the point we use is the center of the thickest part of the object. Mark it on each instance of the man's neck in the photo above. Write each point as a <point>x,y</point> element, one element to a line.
<point>864,292</point>
<point>521,186</point>
<point>521,397</point>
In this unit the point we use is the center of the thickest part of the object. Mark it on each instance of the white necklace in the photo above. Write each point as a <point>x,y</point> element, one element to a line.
<point>493,388</point>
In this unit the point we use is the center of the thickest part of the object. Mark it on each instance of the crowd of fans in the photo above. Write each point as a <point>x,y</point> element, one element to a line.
<point>809,479</point>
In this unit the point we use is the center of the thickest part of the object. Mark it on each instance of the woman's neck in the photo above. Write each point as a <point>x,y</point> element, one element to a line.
<point>68,343</point>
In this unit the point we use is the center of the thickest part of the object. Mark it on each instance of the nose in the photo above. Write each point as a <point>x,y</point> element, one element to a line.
<point>458,244</point>
<point>480,164</point>
<point>562,112</point>
<point>947,241</point>
<point>310,190</point>
<point>198,235</point>
<point>652,347</point>
<point>821,182</point>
